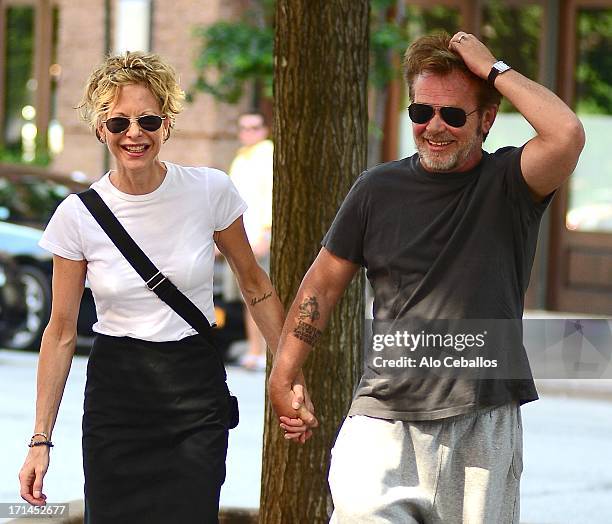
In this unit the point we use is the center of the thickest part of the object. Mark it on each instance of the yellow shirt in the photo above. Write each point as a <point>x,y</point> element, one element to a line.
<point>251,173</point>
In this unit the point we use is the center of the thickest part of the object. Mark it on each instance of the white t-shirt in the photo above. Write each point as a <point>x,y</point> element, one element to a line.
<point>173,225</point>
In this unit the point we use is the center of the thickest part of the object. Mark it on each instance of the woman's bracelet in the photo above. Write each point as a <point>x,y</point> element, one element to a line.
<point>45,442</point>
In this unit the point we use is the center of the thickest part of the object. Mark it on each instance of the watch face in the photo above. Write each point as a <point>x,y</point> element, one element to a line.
<point>501,66</point>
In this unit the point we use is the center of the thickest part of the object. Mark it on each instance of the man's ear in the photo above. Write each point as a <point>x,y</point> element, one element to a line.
<point>488,118</point>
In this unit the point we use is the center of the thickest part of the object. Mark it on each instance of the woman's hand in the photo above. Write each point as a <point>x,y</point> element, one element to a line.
<point>31,475</point>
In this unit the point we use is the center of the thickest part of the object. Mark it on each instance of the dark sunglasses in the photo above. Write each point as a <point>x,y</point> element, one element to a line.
<point>119,124</point>
<point>453,116</point>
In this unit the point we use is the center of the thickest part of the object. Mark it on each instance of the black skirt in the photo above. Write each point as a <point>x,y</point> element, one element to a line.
<point>155,428</point>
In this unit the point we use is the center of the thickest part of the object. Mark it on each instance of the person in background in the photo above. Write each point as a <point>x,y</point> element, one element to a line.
<point>251,173</point>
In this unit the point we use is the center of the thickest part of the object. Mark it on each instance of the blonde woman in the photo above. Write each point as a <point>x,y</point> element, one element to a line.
<point>156,408</point>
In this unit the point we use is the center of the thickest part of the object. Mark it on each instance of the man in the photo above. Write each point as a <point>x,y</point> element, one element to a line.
<point>251,172</point>
<point>449,233</point>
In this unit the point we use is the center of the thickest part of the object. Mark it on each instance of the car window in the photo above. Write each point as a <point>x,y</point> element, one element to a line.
<point>30,200</point>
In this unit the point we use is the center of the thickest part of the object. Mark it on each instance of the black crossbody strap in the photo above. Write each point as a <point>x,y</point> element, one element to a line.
<point>153,277</point>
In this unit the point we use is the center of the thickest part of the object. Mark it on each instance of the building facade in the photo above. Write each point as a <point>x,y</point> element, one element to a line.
<point>68,38</point>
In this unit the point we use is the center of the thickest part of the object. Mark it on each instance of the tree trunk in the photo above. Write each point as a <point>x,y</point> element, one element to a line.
<point>320,120</point>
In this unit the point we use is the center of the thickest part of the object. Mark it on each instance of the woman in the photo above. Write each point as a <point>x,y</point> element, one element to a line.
<point>156,410</point>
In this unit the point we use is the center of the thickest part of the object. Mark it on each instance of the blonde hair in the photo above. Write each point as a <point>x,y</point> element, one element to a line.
<point>131,67</point>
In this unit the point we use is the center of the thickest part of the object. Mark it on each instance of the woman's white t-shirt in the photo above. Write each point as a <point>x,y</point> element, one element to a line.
<point>173,225</point>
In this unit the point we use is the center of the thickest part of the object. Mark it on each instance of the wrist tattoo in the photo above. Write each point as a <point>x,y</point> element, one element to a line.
<point>258,300</point>
<point>306,333</point>
<point>309,309</point>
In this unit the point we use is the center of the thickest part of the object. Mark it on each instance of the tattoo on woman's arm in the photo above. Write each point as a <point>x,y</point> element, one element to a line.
<point>307,333</point>
<point>258,300</point>
<point>309,309</point>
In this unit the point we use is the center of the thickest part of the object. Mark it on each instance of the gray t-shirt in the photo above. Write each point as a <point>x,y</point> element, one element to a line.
<point>441,246</point>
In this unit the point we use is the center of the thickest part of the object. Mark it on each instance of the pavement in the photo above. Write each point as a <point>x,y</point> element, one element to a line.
<point>568,443</point>
<point>567,476</point>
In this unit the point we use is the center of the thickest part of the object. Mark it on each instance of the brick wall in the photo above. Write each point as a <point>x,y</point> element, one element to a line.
<point>80,47</point>
<point>205,130</point>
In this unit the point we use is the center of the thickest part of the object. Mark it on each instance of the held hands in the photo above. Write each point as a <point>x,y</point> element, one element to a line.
<point>31,476</point>
<point>474,53</point>
<point>294,408</point>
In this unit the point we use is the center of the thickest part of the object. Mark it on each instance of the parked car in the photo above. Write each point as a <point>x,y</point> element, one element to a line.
<point>28,198</point>
<point>35,265</point>
<point>29,195</point>
<point>13,309</point>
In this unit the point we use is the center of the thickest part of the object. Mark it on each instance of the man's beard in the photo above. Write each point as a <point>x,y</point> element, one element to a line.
<point>446,160</point>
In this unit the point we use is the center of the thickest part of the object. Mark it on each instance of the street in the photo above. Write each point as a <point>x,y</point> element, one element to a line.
<point>567,477</point>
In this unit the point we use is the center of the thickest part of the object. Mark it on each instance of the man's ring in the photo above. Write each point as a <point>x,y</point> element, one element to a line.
<point>461,38</point>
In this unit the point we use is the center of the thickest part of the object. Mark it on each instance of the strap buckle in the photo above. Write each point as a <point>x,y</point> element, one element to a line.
<point>152,285</point>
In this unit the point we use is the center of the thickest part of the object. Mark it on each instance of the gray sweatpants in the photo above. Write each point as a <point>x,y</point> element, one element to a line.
<point>463,469</point>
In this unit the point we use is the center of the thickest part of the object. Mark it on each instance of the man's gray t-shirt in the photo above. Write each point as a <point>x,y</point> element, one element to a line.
<point>441,246</point>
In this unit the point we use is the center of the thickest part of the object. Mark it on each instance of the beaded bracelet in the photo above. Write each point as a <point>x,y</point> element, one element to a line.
<point>47,443</point>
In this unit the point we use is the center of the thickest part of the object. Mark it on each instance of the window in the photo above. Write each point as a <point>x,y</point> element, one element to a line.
<point>590,195</point>
<point>133,25</point>
<point>19,83</point>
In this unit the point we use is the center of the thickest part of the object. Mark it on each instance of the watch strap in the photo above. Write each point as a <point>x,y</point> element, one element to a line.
<point>497,69</point>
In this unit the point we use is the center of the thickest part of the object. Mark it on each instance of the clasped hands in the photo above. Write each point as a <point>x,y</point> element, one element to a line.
<point>293,407</point>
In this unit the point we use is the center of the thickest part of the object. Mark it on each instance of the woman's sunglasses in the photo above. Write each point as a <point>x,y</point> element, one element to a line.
<point>453,116</point>
<point>119,124</point>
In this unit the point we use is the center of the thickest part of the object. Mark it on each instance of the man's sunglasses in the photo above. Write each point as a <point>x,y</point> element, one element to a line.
<point>119,124</point>
<point>453,116</point>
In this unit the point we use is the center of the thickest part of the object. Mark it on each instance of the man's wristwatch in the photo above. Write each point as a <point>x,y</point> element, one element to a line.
<point>497,69</point>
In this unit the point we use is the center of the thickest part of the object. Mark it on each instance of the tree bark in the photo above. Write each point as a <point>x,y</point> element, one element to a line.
<point>320,120</point>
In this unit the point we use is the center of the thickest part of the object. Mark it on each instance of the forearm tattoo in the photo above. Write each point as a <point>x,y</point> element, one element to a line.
<point>261,299</point>
<point>309,309</point>
<point>307,333</point>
